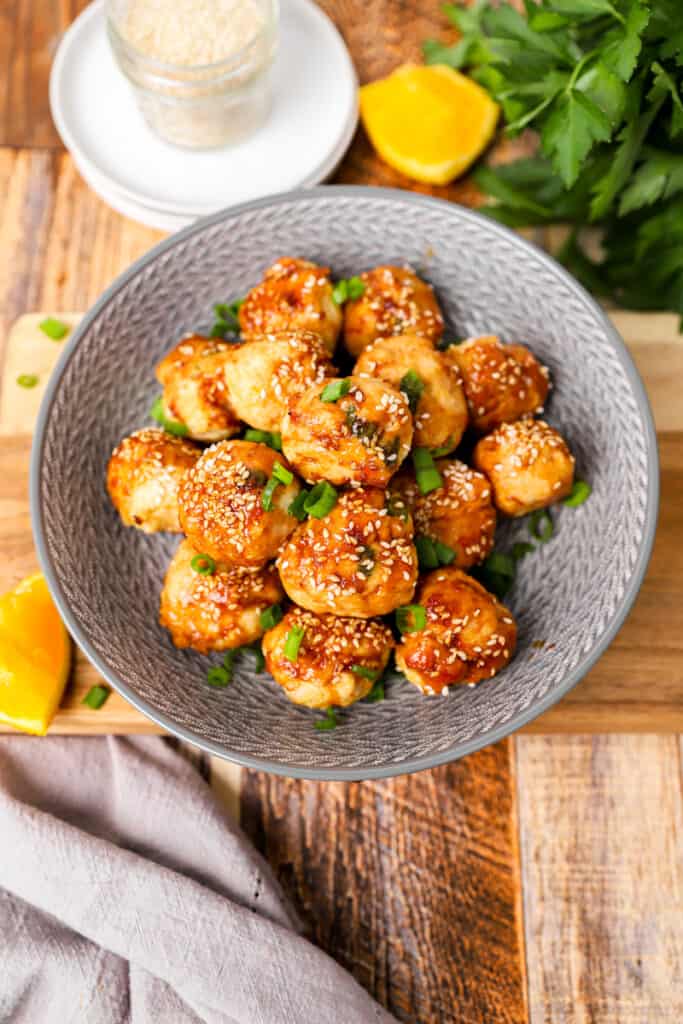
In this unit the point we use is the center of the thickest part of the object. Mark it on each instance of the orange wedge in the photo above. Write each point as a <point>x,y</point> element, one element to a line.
<point>35,655</point>
<point>430,123</point>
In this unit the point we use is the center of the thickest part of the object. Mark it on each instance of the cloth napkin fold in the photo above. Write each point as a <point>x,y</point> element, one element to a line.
<point>128,897</point>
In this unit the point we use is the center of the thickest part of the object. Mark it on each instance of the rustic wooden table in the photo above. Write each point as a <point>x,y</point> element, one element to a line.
<point>539,880</point>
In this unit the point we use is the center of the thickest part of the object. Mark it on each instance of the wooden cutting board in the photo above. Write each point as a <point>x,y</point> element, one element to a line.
<point>637,685</point>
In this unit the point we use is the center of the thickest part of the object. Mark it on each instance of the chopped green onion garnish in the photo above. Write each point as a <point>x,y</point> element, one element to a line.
<point>320,500</point>
<point>328,722</point>
<point>411,618</point>
<point>579,492</point>
<point>427,475</point>
<point>350,288</point>
<point>335,390</point>
<point>445,449</point>
<point>445,554</point>
<point>376,693</point>
<point>412,387</point>
<point>218,676</point>
<point>259,659</point>
<point>227,318</point>
<point>284,476</point>
<point>204,565</point>
<point>293,642</point>
<point>365,672</point>
<point>270,617</point>
<point>174,427</point>
<point>520,549</point>
<point>541,525</point>
<point>366,560</point>
<point>426,552</point>
<point>396,506</point>
<point>273,440</point>
<point>54,329</point>
<point>96,697</point>
<point>279,475</point>
<point>496,573</point>
<point>296,507</point>
<point>27,380</point>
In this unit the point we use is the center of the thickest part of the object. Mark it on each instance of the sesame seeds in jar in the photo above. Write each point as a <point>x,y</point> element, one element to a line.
<point>199,68</point>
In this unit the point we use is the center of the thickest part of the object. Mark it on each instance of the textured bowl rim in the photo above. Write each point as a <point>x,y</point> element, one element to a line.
<point>414,764</point>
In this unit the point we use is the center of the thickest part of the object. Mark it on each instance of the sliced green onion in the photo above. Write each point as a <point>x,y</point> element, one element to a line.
<point>284,476</point>
<point>218,676</point>
<point>426,552</point>
<point>203,564</point>
<point>579,492</point>
<point>328,722</point>
<point>376,693</point>
<point>496,573</point>
<point>366,560</point>
<point>412,386</point>
<point>541,525</point>
<point>445,554</point>
<point>335,390</point>
<point>227,318</point>
<point>273,440</point>
<point>27,380</point>
<point>396,506</point>
<point>411,618</point>
<point>520,549</point>
<point>365,672</point>
<point>427,475</point>
<point>270,617</point>
<point>55,329</point>
<point>296,507</point>
<point>174,427</point>
<point>259,659</point>
<point>320,500</point>
<point>445,449</point>
<point>96,697</point>
<point>355,287</point>
<point>293,642</point>
<point>340,292</point>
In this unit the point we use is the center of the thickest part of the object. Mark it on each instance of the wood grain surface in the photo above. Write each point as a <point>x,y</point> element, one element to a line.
<point>601,823</point>
<point>411,883</point>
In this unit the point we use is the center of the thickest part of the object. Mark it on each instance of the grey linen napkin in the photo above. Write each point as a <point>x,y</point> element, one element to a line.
<point>126,895</point>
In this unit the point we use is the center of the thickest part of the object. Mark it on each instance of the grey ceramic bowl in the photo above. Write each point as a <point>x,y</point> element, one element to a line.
<point>572,593</point>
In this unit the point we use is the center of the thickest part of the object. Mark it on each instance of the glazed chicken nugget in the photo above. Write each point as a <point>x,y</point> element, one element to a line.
<point>468,634</point>
<point>337,659</point>
<point>359,560</point>
<point>143,477</point>
<point>502,383</point>
<point>194,377</point>
<point>268,373</point>
<point>351,431</point>
<point>212,606</point>
<point>295,295</point>
<point>222,503</point>
<point>430,382</point>
<point>459,515</point>
<point>395,301</point>
<point>529,466</point>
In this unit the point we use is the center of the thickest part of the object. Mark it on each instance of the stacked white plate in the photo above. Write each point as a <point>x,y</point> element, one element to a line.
<point>314,116</point>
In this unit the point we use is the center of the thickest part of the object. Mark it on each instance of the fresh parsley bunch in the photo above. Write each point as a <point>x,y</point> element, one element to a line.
<point>601,83</point>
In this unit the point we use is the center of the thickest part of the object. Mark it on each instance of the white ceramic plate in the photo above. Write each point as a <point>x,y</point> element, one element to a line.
<point>314,115</point>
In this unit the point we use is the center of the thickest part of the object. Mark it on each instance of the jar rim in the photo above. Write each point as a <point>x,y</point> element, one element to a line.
<point>163,66</point>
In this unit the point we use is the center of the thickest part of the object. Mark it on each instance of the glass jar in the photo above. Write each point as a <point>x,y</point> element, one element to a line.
<point>200,106</point>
